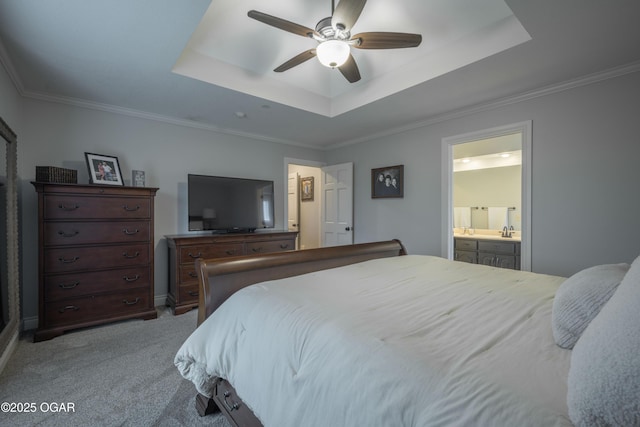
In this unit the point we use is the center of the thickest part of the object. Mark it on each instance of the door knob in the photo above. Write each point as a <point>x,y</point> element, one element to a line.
<point>347,229</point>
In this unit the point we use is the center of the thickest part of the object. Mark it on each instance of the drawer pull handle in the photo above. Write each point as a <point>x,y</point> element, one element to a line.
<point>198,255</point>
<point>128,209</point>
<point>193,274</point>
<point>193,293</point>
<point>231,252</point>
<point>130,233</point>
<point>131,279</point>
<point>68,261</point>
<point>284,246</point>
<point>127,302</point>
<point>69,286</point>
<point>71,234</point>
<point>69,307</point>
<point>126,255</point>
<point>67,208</point>
<point>233,406</point>
<point>257,249</point>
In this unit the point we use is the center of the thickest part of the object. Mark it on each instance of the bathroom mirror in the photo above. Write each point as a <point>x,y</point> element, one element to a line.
<point>487,183</point>
<point>9,277</point>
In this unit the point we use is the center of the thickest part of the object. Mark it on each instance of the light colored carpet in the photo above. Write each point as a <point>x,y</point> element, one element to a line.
<point>121,374</point>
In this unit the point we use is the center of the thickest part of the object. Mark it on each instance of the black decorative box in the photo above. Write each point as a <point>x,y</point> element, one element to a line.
<point>55,174</point>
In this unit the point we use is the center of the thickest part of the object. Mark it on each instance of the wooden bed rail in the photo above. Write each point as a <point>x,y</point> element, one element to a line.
<point>219,278</point>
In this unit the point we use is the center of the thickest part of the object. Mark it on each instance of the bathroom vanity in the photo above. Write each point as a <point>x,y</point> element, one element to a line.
<point>488,249</point>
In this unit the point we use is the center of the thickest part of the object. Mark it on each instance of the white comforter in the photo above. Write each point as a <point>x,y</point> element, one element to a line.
<point>404,341</point>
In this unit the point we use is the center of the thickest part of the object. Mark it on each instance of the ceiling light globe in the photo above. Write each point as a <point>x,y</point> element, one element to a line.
<point>333,53</point>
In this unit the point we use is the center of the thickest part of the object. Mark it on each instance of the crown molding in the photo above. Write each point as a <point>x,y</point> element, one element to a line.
<point>11,70</point>
<point>514,99</point>
<point>156,117</point>
<point>451,115</point>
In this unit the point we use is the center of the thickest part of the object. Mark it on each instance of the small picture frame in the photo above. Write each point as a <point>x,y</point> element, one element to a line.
<point>306,189</point>
<point>103,169</point>
<point>387,182</point>
<point>137,178</point>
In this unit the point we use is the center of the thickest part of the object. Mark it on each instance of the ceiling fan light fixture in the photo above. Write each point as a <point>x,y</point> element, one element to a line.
<point>333,53</point>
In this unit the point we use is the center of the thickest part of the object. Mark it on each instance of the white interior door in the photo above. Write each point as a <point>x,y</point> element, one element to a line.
<point>293,208</point>
<point>337,205</point>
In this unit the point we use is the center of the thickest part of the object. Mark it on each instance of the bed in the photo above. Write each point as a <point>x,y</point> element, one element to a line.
<point>368,335</point>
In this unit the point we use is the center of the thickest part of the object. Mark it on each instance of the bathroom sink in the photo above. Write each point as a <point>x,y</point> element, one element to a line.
<point>488,236</point>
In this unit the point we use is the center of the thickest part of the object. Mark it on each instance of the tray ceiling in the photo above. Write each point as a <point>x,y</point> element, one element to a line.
<point>231,50</point>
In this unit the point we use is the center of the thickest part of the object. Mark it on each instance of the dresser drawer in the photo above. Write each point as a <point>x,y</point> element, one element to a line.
<point>90,308</point>
<point>72,285</point>
<point>498,247</point>
<point>78,233</point>
<point>188,273</point>
<point>466,245</point>
<point>270,246</point>
<point>87,207</point>
<point>191,253</point>
<point>60,260</point>
<point>188,293</point>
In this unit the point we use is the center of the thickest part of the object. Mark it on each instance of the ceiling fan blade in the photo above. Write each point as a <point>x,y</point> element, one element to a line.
<point>347,13</point>
<point>296,60</point>
<point>377,40</point>
<point>350,70</point>
<point>281,23</point>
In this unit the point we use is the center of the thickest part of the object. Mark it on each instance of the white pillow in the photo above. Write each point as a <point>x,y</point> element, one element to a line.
<point>604,376</point>
<point>580,298</point>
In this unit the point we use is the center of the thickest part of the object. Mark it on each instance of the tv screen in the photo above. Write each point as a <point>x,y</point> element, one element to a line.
<point>225,204</point>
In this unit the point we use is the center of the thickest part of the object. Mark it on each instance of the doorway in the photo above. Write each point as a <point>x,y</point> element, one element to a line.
<point>486,147</point>
<point>323,209</point>
<point>304,213</point>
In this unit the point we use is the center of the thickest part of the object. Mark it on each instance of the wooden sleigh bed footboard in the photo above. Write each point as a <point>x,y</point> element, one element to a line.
<point>221,278</point>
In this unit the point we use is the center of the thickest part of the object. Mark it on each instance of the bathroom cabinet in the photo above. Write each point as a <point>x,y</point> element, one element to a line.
<point>497,253</point>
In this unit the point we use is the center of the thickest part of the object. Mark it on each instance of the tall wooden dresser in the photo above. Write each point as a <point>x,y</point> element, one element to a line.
<point>185,249</point>
<point>95,260</point>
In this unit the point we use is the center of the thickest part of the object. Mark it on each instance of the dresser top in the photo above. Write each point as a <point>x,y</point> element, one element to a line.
<point>181,239</point>
<point>55,187</point>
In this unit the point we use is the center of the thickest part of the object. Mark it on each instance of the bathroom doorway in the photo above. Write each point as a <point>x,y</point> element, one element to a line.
<point>487,186</point>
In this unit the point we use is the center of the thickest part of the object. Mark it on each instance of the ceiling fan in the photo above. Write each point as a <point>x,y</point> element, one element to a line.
<point>334,38</point>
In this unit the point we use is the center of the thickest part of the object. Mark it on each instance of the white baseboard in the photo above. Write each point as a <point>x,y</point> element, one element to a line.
<point>160,300</point>
<point>4,358</point>
<point>29,323</point>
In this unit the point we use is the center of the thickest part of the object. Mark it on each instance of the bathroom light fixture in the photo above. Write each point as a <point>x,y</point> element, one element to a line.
<point>333,53</point>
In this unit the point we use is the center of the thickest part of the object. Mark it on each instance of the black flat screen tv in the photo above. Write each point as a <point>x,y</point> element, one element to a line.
<point>229,205</point>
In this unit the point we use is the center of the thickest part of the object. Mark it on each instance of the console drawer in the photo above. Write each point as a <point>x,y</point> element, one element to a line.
<point>189,293</point>
<point>270,246</point>
<point>191,253</point>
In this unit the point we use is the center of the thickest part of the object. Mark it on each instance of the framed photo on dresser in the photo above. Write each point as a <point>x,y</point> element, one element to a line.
<point>103,169</point>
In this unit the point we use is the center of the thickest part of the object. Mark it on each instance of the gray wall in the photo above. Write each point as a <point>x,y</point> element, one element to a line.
<point>61,134</point>
<point>584,188</point>
<point>585,174</point>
